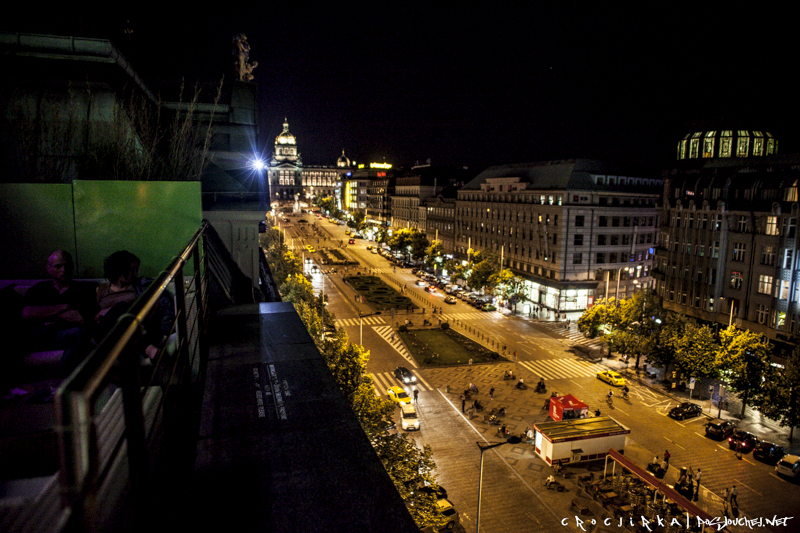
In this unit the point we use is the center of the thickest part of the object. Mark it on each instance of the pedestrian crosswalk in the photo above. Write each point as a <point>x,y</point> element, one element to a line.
<point>366,321</point>
<point>381,381</point>
<point>477,315</point>
<point>388,334</point>
<point>571,334</point>
<point>561,368</point>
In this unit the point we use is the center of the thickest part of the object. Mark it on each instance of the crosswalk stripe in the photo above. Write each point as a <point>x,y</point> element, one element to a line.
<point>381,381</point>
<point>561,368</point>
<point>386,333</point>
<point>370,320</point>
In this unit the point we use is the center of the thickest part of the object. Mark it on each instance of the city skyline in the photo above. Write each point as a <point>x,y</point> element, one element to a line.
<point>476,89</point>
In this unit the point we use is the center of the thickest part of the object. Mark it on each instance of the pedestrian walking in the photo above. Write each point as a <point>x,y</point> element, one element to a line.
<point>738,450</point>
<point>392,336</point>
<point>491,393</point>
<point>734,496</point>
<point>697,477</point>
<point>463,403</point>
<point>667,455</point>
<point>515,356</point>
<point>470,364</point>
<point>416,394</point>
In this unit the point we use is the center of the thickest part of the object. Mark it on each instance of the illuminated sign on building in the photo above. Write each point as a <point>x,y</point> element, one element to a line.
<point>377,165</point>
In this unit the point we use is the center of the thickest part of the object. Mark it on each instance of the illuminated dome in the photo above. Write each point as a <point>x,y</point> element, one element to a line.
<point>727,143</point>
<point>285,137</point>
<point>343,162</point>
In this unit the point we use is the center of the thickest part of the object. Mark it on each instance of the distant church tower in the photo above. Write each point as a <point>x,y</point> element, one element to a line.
<point>285,168</point>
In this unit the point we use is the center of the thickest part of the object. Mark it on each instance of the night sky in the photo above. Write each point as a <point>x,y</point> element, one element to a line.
<point>479,88</point>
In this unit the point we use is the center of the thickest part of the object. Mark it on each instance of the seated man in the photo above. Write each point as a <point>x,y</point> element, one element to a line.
<point>60,313</point>
<point>550,479</point>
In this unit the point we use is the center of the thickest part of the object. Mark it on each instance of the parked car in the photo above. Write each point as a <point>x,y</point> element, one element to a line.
<point>788,466</point>
<point>748,440</point>
<point>404,375</point>
<point>685,410</point>
<point>768,452</point>
<point>488,307</point>
<point>720,429</point>
<point>398,395</point>
<point>450,300</point>
<point>421,282</point>
<point>611,377</point>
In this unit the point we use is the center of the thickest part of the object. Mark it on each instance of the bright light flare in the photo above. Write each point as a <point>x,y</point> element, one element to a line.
<point>258,164</point>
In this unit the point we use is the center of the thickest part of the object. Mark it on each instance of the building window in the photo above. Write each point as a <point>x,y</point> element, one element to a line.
<point>784,291</point>
<point>602,222</point>
<point>787,258</point>
<point>579,221</point>
<point>601,240</point>
<point>601,258</point>
<point>741,224</point>
<point>577,259</point>
<point>772,226</point>
<point>765,284</point>
<point>768,255</point>
<point>789,227</point>
<point>578,239</point>
<point>762,312</point>
<point>738,251</point>
<point>736,280</point>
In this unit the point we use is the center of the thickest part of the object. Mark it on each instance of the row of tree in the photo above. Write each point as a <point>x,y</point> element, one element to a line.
<point>409,466</point>
<point>641,328</point>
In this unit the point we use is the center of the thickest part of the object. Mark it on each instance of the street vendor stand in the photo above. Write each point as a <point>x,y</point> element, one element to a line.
<point>567,407</point>
<point>579,439</point>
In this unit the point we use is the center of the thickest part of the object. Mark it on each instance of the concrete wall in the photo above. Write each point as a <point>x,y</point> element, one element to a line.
<point>92,219</point>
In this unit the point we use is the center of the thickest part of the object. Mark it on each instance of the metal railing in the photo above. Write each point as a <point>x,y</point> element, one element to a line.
<point>112,413</point>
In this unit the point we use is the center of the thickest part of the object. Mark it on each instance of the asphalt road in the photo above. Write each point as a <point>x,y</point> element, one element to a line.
<point>512,499</point>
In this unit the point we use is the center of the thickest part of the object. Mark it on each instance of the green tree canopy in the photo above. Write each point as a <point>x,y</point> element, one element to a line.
<point>780,393</point>
<point>743,360</point>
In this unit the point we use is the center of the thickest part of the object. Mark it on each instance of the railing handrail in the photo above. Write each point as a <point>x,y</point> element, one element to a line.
<point>81,469</point>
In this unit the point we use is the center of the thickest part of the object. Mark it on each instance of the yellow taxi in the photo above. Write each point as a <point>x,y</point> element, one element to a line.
<point>347,232</point>
<point>611,377</point>
<point>398,395</point>
<point>310,248</point>
<point>369,247</point>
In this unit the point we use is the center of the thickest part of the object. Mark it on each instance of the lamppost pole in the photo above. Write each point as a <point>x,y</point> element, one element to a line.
<point>483,447</point>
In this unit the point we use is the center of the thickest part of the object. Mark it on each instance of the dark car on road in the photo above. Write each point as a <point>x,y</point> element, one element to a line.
<point>404,375</point>
<point>768,452</point>
<point>685,410</point>
<point>748,440</point>
<point>720,429</point>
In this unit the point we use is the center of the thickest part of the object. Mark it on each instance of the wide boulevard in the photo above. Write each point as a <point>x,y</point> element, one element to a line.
<point>513,498</point>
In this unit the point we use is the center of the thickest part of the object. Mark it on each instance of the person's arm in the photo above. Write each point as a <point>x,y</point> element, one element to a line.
<point>34,312</point>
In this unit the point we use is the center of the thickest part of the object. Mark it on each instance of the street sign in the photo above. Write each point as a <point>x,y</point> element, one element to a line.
<point>691,383</point>
<point>711,390</point>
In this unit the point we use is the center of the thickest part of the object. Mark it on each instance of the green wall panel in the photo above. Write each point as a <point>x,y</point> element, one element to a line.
<point>35,220</point>
<point>152,219</point>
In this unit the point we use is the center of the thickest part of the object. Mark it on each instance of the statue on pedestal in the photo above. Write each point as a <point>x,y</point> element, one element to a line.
<point>244,68</point>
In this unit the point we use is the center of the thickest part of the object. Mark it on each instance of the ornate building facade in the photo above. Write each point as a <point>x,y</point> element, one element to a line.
<point>729,246</point>
<point>290,180</point>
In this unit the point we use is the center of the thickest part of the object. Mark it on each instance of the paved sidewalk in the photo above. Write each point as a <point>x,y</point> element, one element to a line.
<point>528,471</point>
<point>765,428</point>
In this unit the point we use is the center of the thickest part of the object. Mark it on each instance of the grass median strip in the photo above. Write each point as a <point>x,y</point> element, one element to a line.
<point>435,347</point>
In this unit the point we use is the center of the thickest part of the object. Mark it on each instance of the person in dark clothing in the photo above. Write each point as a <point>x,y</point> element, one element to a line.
<point>60,313</point>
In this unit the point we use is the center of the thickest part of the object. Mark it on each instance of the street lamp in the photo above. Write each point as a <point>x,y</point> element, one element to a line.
<point>483,447</point>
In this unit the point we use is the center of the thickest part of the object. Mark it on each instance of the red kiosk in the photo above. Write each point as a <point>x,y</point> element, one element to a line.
<point>567,407</point>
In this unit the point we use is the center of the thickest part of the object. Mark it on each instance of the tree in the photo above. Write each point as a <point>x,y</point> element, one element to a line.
<point>419,242</point>
<point>485,266</point>
<point>743,360</point>
<point>640,315</point>
<point>356,221</point>
<point>780,393</point>
<point>432,253</point>
<point>411,468</point>
<point>297,289</point>
<point>696,352</point>
<point>595,320</point>
<point>401,240</point>
<point>326,203</point>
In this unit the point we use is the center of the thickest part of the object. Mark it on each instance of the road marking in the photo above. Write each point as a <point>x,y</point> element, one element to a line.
<point>621,411</point>
<point>698,434</point>
<point>751,489</point>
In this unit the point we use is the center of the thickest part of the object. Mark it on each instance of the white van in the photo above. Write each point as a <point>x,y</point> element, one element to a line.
<point>788,466</point>
<point>408,417</point>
